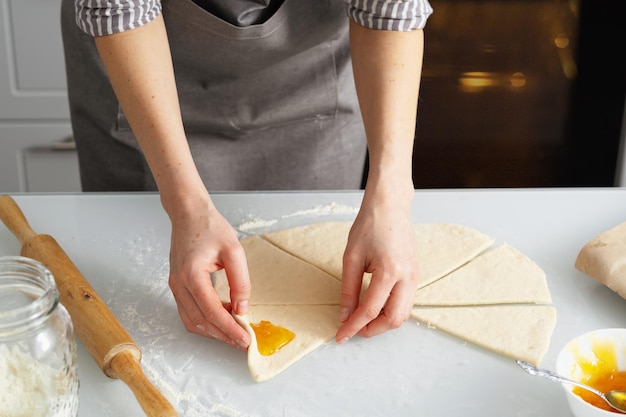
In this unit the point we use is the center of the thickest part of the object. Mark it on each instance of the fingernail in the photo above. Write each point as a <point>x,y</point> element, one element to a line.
<point>201,328</point>
<point>344,314</point>
<point>342,340</point>
<point>242,344</point>
<point>242,307</point>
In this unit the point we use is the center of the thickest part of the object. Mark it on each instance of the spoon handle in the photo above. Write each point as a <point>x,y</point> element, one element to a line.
<point>555,377</point>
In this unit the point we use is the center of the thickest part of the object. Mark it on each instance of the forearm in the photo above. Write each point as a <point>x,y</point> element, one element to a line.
<point>139,66</point>
<point>387,70</point>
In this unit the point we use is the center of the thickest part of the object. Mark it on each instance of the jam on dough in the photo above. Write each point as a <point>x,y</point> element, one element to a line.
<point>271,338</point>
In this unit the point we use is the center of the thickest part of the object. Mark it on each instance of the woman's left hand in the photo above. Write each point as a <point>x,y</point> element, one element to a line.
<point>381,242</point>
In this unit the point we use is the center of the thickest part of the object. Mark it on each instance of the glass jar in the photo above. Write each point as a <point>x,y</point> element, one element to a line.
<point>38,363</point>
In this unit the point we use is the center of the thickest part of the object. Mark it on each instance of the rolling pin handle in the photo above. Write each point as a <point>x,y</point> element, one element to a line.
<point>13,217</point>
<point>129,370</point>
<point>87,311</point>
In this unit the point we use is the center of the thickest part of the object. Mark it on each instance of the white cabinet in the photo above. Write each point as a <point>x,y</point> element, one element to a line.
<point>34,108</point>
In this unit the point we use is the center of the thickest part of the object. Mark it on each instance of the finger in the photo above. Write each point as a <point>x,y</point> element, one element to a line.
<point>394,313</point>
<point>192,316</point>
<point>193,319</point>
<point>198,324</point>
<point>351,280</point>
<point>236,268</point>
<point>373,302</point>
<point>215,314</point>
<point>202,313</point>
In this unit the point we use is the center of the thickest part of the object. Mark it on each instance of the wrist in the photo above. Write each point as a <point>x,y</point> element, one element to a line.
<point>391,189</point>
<point>185,200</point>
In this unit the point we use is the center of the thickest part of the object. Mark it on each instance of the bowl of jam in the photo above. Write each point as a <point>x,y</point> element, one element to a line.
<point>598,359</point>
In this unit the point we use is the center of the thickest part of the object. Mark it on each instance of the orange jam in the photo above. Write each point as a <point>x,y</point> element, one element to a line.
<point>271,338</point>
<point>601,373</point>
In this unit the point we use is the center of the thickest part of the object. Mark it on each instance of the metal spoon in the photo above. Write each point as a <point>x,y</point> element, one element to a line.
<point>616,399</point>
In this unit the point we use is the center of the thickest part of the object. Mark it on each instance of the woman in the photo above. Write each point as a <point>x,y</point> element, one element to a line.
<point>186,96</point>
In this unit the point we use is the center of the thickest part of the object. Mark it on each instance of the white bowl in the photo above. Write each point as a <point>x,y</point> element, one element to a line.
<point>586,353</point>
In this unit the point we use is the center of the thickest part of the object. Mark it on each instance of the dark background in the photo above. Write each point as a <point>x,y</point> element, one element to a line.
<point>526,93</point>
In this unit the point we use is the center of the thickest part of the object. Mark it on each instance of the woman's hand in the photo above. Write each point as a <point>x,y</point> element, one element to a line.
<point>140,69</point>
<point>387,71</point>
<point>204,242</point>
<point>381,242</point>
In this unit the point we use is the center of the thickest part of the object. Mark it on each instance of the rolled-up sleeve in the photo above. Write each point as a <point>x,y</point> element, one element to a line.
<point>106,17</point>
<point>398,15</point>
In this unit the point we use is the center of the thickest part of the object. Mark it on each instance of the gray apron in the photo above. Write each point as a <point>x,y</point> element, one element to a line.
<point>266,107</point>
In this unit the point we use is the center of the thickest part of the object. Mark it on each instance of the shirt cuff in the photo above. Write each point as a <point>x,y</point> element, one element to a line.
<point>398,15</point>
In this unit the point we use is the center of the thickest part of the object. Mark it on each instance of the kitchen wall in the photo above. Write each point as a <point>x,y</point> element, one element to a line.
<point>33,104</point>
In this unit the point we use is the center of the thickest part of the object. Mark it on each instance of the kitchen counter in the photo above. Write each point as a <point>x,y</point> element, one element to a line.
<point>120,242</point>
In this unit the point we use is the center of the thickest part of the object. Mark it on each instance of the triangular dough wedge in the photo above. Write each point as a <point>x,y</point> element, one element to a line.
<point>441,248</point>
<point>320,244</point>
<point>499,276</point>
<point>279,278</point>
<point>516,331</point>
<point>312,325</point>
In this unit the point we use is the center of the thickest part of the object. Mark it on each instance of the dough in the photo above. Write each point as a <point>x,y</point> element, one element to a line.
<point>289,293</point>
<point>312,325</point>
<point>440,247</point>
<point>516,331</point>
<point>278,278</point>
<point>604,259</point>
<point>499,276</point>
<point>320,244</point>
<point>295,276</point>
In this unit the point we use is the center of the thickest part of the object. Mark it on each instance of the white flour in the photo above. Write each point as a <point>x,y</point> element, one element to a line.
<point>319,210</point>
<point>148,311</point>
<point>255,224</point>
<point>172,359</point>
<point>332,208</point>
<point>26,384</point>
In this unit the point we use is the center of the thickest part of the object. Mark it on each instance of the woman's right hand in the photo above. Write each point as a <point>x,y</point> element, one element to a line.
<point>203,242</point>
<point>139,66</point>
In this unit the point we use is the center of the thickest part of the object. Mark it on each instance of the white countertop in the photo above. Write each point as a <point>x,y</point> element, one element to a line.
<point>120,242</point>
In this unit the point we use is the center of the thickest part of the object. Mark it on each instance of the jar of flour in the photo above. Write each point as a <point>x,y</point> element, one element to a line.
<point>38,363</point>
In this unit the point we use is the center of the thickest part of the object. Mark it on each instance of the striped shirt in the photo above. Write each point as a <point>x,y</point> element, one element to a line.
<point>106,17</point>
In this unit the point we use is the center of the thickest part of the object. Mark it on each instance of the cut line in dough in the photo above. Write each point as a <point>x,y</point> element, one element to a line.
<point>278,278</point>
<point>494,298</point>
<point>516,331</point>
<point>441,248</point>
<point>502,275</point>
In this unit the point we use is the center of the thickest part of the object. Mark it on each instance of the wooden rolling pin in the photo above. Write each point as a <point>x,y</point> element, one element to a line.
<point>96,326</point>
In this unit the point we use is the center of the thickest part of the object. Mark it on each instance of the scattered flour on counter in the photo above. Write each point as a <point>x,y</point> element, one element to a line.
<point>186,401</point>
<point>26,384</point>
<point>224,411</point>
<point>172,359</point>
<point>332,208</point>
<point>145,306</point>
<point>319,210</point>
<point>255,224</point>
